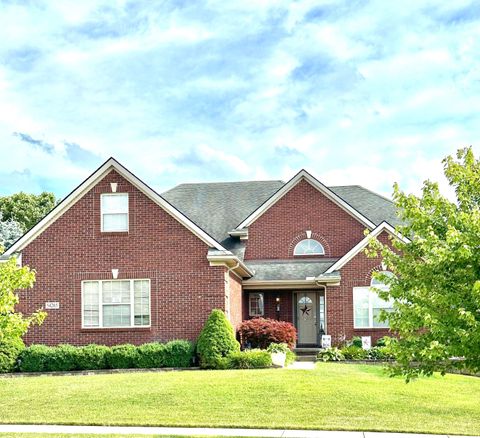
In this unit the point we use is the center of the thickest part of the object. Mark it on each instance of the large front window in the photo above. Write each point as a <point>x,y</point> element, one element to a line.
<point>116,303</point>
<point>367,306</point>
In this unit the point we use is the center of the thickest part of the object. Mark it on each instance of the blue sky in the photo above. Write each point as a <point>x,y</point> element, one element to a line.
<point>356,92</point>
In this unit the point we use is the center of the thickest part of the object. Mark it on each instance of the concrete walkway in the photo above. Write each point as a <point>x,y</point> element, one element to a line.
<point>194,431</point>
<point>307,365</point>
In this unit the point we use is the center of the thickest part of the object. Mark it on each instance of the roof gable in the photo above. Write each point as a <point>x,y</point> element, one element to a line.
<point>384,226</point>
<point>90,182</point>
<point>304,175</point>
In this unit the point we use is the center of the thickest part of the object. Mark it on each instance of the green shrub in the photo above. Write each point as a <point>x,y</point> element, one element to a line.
<point>62,358</point>
<point>291,357</point>
<point>216,340</point>
<point>250,359</point>
<point>92,357</point>
<point>382,342</point>
<point>356,341</point>
<point>9,353</point>
<point>331,354</point>
<point>278,348</point>
<point>179,354</point>
<point>122,356</point>
<point>353,352</point>
<point>151,355</point>
<point>35,358</point>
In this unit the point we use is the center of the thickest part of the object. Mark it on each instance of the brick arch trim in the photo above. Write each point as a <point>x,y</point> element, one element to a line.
<point>315,236</point>
<point>368,277</point>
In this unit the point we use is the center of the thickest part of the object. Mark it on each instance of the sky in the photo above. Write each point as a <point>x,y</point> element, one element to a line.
<point>355,92</point>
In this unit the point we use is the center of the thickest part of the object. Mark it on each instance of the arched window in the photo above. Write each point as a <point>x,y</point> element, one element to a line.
<point>308,247</point>
<point>375,282</point>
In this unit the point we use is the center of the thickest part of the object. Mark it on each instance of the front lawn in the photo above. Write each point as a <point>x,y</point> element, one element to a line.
<point>333,397</point>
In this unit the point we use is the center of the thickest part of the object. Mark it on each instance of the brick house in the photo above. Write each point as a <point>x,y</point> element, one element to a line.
<point>116,262</point>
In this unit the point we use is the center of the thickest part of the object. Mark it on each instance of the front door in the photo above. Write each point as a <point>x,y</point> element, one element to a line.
<point>306,308</point>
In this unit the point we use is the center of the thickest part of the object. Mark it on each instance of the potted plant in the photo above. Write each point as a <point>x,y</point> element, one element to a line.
<point>279,354</point>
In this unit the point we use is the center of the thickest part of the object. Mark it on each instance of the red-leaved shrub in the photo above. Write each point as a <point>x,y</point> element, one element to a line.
<point>261,332</point>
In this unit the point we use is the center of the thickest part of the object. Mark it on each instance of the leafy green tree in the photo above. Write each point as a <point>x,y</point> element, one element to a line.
<point>10,231</point>
<point>436,282</point>
<point>13,325</point>
<point>25,208</point>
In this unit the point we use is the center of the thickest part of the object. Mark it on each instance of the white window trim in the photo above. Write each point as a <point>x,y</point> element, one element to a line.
<point>128,212</point>
<point>311,253</point>
<point>250,304</point>
<point>370,309</point>
<point>132,304</point>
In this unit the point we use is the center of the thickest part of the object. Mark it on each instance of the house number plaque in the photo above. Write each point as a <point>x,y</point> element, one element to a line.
<point>52,305</point>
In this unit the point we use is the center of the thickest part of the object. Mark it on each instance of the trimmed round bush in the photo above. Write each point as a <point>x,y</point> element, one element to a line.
<point>216,341</point>
<point>261,332</point>
<point>151,355</point>
<point>249,359</point>
<point>122,356</point>
<point>179,354</point>
<point>92,357</point>
<point>63,358</point>
<point>9,354</point>
<point>35,358</point>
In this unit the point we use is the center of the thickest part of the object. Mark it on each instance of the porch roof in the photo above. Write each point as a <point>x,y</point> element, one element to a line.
<point>266,270</point>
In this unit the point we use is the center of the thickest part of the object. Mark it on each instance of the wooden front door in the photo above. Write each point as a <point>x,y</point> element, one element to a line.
<point>306,317</point>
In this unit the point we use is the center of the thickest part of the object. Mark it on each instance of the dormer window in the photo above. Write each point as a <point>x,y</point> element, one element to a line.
<point>114,212</point>
<point>308,247</point>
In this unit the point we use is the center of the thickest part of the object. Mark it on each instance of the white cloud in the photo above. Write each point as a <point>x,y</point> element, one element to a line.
<point>367,93</point>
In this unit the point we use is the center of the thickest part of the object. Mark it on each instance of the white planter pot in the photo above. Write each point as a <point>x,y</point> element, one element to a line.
<point>278,359</point>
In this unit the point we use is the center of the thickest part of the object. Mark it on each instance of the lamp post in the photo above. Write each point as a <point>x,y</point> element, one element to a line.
<point>277,307</point>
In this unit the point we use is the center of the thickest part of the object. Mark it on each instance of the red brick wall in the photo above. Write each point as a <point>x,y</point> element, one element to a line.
<point>339,299</point>
<point>184,288</point>
<point>270,304</point>
<point>236,303</point>
<point>274,234</point>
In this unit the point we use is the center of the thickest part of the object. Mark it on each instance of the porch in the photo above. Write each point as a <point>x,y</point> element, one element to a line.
<point>305,309</point>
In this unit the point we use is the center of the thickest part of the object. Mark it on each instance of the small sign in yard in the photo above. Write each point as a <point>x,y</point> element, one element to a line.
<point>326,341</point>
<point>52,305</point>
<point>366,342</point>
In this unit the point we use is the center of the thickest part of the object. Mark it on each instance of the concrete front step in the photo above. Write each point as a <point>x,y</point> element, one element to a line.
<point>306,350</point>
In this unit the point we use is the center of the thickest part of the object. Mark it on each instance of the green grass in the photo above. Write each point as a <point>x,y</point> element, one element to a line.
<point>332,397</point>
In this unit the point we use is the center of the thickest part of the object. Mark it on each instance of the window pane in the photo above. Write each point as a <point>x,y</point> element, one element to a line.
<point>142,302</point>
<point>90,304</point>
<point>308,247</point>
<point>114,203</point>
<point>256,304</point>
<point>377,305</point>
<point>116,292</point>
<point>115,222</point>
<point>116,315</point>
<point>360,305</point>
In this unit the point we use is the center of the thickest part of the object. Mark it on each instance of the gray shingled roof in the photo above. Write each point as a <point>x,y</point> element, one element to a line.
<point>219,207</point>
<point>288,269</point>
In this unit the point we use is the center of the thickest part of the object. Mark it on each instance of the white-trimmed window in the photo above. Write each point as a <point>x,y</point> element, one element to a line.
<point>367,305</point>
<point>309,247</point>
<point>114,212</point>
<point>255,304</point>
<point>116,303</point>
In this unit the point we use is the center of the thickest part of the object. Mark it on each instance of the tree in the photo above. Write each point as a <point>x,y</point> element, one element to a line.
<point>13,325</point>
<point>436,281</point>
<point>10,231</point>
<point>25,208</point>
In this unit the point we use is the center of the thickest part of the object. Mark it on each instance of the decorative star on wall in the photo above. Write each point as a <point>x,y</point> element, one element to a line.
<point>305,310</point>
